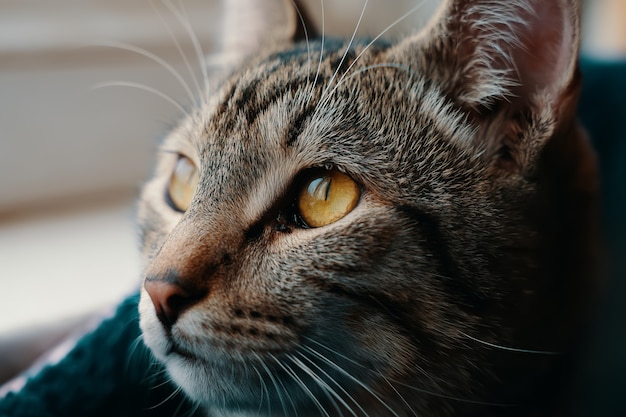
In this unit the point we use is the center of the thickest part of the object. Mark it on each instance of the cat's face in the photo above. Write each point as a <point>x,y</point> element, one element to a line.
<point>382,233</point>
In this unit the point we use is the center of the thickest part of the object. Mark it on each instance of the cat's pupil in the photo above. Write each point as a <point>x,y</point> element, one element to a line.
<point>320,187</point>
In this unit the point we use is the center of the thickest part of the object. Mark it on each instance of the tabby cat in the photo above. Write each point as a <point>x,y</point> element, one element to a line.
<point>377,229</point>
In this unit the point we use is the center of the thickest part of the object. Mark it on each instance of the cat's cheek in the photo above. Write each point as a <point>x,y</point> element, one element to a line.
<point>383,343</point>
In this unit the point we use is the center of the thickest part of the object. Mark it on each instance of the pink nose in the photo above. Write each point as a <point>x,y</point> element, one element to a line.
<point>170,299</point>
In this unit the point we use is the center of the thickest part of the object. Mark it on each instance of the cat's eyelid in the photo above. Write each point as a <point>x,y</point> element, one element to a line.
<point>329,166</point>
<point>181,145</point>
<point>180,153</point>
<point>177,152</point>
<point>174,154</point>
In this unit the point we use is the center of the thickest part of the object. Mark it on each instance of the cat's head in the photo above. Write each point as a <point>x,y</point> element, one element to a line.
<point>376,228</point>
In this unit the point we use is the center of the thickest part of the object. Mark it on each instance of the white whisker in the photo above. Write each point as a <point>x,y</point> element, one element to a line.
<point>276,387</point>
<point>144,88</point>
<point>179,48</point>
<point>331,394</point>
<point>134,350</point>
<point>308,43</point>
<point>450,397</point>
<point>353,378</point>
<point>145,358</point>
<point>420,390</point>
<point>406,403</point>
<point>177,391</point>
<point>154,371</point>
<point>510,349</point>
<point>147,54</point>
<point>184,21</point>
<point>264,392</point>
<point>166,381</point>
<point>150,376</point>
<point>178,408</point>
<point>286,392</point>
<point>337,384</point>
<point>319,65</point>
<point>362,70</point>
<point>397,21</point>
<point>345,53</point>
<point>301,384</point>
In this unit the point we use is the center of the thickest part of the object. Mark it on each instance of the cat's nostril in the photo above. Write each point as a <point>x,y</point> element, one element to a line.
<point>227,260</point>
<point>170,299</point>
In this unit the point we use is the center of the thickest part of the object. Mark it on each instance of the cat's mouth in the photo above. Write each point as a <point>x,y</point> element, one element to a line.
<point>177,349</point>
<point>224,348</point>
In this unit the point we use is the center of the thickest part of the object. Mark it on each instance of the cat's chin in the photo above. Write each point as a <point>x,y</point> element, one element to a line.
<point>212,383</point>
<point>236,387</point>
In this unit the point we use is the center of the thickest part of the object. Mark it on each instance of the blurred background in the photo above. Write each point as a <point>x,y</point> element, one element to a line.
<point>73,157</point>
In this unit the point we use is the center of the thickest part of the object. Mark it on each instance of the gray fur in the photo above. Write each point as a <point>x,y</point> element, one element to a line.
<point>462,271</point>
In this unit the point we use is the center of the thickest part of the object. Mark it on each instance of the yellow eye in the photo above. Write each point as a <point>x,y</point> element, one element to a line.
<point>327,197</point>
<point>183,183</point>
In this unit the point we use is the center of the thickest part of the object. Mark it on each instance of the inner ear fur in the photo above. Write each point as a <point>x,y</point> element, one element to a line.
<point>489,50</point>
<point>511,65</point>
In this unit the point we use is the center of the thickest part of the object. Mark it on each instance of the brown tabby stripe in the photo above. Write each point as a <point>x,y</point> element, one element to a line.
<point>246,98</point>
<point>298,125</point>
<point>401,315</point>
<point>257,104</point>
<point>448,267</point>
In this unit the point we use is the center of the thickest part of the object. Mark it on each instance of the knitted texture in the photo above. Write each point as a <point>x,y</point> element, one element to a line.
<point>109,372</point>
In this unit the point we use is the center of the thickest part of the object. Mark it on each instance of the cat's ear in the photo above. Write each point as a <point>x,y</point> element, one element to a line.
<point>488,50</point>
<point>252,25</point>
<point>503,60</point>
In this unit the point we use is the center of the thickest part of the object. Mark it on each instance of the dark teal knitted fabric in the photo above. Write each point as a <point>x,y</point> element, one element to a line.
<point>110,372</point>
<point>602,110</point>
